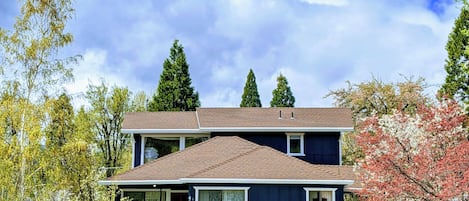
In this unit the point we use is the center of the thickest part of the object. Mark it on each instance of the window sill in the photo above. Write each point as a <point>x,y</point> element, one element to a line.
<point>296,154</point>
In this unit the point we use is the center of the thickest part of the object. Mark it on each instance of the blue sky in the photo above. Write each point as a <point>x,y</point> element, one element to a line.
<point>317,44</point>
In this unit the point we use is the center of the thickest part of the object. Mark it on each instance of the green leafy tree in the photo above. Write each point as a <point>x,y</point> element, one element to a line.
<point>31,69</point>
<point>282,95</point>
<point>376,98</point>
<point>108,107</point>
<point>457,79</point>
<point>139,102</point>
<point>69,142</point>
<point>250,97</point>
<point>175,92</point>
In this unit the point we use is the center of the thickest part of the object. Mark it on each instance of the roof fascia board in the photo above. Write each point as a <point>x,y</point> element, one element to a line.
<point>138,182</point>
<point>264,181</point>
<point>273,129</point>
<point>167,131</point>
<point>207,130</point>
<point>226,181</point>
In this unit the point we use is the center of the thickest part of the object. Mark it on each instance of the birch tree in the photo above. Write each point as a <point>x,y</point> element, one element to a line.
<point>31,69</point>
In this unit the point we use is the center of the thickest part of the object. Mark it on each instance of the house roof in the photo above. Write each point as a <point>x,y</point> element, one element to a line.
<point>160,120</point>
<point>230,160</point>
<point>207,120</point>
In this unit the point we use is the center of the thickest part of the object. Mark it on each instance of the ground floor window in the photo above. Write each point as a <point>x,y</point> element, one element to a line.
<point>221,193</point>
<point>320,194</point>
<point>145,195</point>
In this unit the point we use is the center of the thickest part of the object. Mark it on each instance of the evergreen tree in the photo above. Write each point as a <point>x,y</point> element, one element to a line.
<point>175,92</point>
<point>250,96</point>
<point>457,80</point>
<point>282,95</point>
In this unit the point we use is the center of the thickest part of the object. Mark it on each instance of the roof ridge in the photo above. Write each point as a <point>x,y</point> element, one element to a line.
<point>225,161</point>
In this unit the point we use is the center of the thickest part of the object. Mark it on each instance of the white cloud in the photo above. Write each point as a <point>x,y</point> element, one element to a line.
<point>327,2</point>
<point>317,48</point>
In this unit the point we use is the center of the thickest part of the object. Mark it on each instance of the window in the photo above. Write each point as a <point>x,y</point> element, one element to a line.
<point>320,194</point>
<point>145,195</point>
<point>295,144</point>
<point>156,147</point>
<point>221,193</point>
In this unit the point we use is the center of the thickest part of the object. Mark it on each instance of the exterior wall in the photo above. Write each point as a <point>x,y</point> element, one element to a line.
<point>272,192</point>
<point>320,148</point>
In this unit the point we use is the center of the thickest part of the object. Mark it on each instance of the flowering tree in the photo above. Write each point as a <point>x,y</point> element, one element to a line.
<point>416,157</point>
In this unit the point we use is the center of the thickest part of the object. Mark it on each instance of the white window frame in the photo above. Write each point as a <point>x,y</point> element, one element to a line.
<point>302,144</point>
<point>166,191</point>
<point>320,189</point>
<point>221,188</point>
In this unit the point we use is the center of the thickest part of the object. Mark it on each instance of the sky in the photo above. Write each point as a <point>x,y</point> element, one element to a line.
<point>317,44</point>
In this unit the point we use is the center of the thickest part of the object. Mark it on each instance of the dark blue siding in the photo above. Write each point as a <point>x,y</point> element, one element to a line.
<point>320,148</point>
<point>138,149</point>
<point>271,192</point>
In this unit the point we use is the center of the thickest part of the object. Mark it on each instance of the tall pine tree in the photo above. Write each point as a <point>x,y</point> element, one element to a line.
<point>175,92</point>
<point>250,96</point>
<point>457,80</point>
<point>282,95</point>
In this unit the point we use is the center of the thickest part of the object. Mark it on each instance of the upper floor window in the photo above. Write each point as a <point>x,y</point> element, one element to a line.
<point>159,146</point>
<point>295,144</point>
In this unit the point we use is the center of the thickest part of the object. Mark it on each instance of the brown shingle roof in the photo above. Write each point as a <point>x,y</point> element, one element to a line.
<point>216,118</point>
<point>269,117</point>
<point>160,120</point>
<point>230,158</point>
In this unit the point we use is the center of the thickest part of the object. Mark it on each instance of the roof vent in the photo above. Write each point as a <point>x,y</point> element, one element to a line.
<point>280,114</point>
<point>292,116</point>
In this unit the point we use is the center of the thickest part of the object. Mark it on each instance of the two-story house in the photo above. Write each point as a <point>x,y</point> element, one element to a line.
<point>237,154</point>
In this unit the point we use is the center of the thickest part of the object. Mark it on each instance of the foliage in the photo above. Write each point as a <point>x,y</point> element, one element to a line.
<point>250,97</point>
<point>107,112</point>
<point>457,79</point>
<point>30,71</point>
<point>415,157</point>
<point>139,102</point>
<point>175,92</point>
<point>376,98</point>
<point>282,95</point>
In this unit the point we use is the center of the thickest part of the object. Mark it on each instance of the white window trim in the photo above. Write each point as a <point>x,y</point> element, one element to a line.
<point>302,144</point>
<point>221,188</point>
<point>167,191</point>
<point>320,189</point>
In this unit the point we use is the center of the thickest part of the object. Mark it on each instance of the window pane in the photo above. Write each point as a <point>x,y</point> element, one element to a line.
<point>158,147</point>
<point>313,196</point>
<point>295,144</point>
<point>194,140</point>
<point>155,196</point>
<point>235,195</point>
<point>205,195</point>
<point>221,195</point>
<point>136,196</point>
<point>326,196</point>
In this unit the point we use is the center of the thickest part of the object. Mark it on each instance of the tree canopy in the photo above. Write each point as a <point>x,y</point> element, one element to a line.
<point>250,97</point>
<point>282,95</point>
<point>457,79</point>
<point>415,157</point>
<point>175,92</point>
<point>376,98</point>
